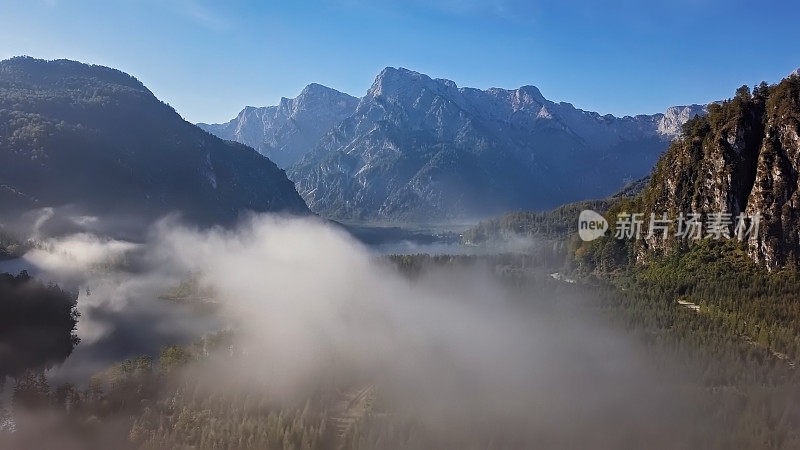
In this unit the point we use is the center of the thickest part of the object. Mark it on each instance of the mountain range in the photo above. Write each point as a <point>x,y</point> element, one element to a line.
<point>413,149</point>
<point>98,139</point>
<point>420,149</point>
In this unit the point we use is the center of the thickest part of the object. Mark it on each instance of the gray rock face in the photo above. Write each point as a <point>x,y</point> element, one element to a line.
<point>776,190</point>
<point>674,117</point>
<point>423,149</point>
<point>743,157</point>
<point>284,133</point>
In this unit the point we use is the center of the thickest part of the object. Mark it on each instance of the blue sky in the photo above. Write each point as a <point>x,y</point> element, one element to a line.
<point>209,59</point>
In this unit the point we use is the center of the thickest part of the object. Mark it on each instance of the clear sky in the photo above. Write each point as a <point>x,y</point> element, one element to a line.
<point>208,59</point>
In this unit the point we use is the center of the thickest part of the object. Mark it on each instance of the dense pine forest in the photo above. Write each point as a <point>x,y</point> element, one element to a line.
<point>731,305</point>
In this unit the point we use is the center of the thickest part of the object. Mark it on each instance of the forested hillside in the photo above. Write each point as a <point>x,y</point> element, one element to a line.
<point>741,393</point>
<point>558,224</point>
<point>37,325</point>
<point>97,138</point>
<point>736,160</point>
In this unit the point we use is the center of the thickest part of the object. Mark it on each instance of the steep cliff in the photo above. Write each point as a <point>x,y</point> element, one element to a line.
<point>740,158</point>
<point>775,194</point>
<point>712,167</point>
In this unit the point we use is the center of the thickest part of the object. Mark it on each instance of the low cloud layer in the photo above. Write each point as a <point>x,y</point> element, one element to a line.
<point>455,349</point>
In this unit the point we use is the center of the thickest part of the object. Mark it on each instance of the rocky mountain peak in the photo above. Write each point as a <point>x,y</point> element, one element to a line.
<point>674,117</point>
<point>318,96</point>
<point>530,94</point>
<point>316,99</point>
<point>285,132</point>
<point>315,89</point>
<point>401,83</point>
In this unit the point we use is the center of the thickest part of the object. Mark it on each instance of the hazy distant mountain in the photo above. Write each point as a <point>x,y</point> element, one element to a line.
<point>71,133</point>
<point>285,132</point>
<point>422,149</point>
<point>555,226</point>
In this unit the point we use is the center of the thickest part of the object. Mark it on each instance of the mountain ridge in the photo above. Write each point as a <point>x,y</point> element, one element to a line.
<point>419,148</point>
<point>97,138</point>
<point>382,158</point>
<point>281,132</point>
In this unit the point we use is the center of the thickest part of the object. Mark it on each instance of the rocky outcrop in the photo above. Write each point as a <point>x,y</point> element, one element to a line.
<point>742,157</point>
<point>776,193</point>
<point>671,122</point>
